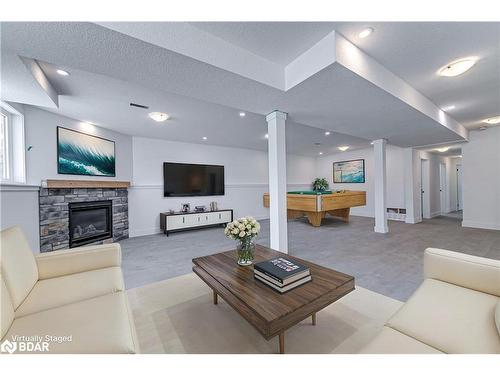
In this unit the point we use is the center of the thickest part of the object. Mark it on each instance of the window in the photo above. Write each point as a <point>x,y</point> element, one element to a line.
<point>12,158</point>
<point>4,149</point>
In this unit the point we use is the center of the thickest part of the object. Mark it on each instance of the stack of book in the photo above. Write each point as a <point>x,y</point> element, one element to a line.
<point>281,274</point>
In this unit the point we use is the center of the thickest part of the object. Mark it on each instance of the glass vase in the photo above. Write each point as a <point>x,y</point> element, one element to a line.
<point>246,251</point>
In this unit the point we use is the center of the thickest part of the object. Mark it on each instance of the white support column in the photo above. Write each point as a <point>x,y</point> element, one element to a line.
<point>380,186</point>
<point>277,180</point>
<point>412,187</point>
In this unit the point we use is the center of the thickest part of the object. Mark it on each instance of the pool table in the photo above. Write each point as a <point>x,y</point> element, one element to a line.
<point>315,205</point>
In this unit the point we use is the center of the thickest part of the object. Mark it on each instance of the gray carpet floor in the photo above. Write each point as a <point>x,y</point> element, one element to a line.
<point>390,264</point>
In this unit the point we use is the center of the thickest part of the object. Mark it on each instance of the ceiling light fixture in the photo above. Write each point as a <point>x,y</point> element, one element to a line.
<point>204,138</point>
<point>158,116</point>
<point>442,149</point>
<point>366,32</point>
<point>327,133</point>
<point>457,67</point>
<point>343,148</point>
<point>62,72</point>
<point>492,120</point>
<point>372,143</point>
<point>320,153</point>
<point>242,114</point>
<point>266,136</point>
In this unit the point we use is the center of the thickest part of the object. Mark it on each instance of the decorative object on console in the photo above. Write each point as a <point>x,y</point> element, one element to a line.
<point>83,154</point>
<point>200,208</point>
<point>320,184</point>
<point>185,207</point>
<point>244,230</point>
<point>213,206</point>
<point>349,171</point>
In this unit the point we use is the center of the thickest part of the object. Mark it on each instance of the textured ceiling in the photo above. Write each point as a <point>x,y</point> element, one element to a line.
<point>110,69</point>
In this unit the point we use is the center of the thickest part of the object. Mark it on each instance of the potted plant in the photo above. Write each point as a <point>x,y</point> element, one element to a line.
<point>320,184</point>
<point>244,230</point>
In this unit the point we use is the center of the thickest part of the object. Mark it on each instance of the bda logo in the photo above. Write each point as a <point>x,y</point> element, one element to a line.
<point>8,347</point>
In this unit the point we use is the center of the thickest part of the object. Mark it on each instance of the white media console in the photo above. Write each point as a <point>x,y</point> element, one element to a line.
<point>191,220</point>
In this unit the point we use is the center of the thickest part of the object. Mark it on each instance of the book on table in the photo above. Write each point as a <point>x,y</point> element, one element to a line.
<point>281,273</point>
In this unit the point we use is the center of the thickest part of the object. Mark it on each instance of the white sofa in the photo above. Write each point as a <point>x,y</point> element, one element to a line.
<point>455,310</point>
<point>77,294</point>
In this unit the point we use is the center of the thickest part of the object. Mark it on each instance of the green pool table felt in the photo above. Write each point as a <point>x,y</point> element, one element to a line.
<point>310,192</point>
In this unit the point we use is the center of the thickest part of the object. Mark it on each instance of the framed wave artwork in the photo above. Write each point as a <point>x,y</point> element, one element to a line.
<point>83,154</point>
<point>350,171</point>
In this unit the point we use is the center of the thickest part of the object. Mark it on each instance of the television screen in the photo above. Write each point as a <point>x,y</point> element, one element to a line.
<point>182,180</point>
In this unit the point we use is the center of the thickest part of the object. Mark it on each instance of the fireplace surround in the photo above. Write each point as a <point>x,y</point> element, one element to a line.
<point>57,204</point>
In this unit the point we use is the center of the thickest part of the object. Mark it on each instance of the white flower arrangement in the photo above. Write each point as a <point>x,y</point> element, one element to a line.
<point>242,229</point>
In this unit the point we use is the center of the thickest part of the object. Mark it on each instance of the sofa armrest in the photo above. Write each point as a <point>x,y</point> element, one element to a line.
<point>468,271</point>
<point>66,262</point>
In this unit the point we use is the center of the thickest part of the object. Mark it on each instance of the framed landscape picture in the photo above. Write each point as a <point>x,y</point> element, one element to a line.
<point>350,171</point>
<point>83,154</point>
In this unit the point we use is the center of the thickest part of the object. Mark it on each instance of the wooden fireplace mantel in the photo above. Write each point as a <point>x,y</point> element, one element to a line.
<point>95,184</point>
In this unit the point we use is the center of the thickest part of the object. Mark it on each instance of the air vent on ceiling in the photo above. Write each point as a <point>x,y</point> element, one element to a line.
<point>139,105</point>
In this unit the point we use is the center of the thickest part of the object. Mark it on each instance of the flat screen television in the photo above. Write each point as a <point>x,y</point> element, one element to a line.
<point>187,180</point>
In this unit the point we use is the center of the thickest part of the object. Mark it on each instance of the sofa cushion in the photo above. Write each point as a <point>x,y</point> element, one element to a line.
<point>18,264</point>
<point>390,341</point>
<point>6,309</point>
<point>469,271</point>
<point>98,325</point>
<point>59,291</point>
<point>450,318</point>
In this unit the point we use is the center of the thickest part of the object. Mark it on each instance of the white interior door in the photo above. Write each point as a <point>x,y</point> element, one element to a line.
<point>424,189</point>
<point>460,203</point>
<point>443,188</point>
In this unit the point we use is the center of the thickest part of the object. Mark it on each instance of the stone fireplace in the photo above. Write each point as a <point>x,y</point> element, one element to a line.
<point>76,216</point>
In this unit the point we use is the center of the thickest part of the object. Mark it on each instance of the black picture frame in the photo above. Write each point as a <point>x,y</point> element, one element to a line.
<point>64,171</point>
<point>335,181</point>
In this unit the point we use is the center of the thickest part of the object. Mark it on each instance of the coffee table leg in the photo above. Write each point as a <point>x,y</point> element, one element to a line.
<point>313,316</point>
<point>282,342</point>
<point>215,298</point>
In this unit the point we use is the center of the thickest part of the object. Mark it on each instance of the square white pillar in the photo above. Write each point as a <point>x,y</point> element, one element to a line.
<point>277,180</point>
<point>380,186</point>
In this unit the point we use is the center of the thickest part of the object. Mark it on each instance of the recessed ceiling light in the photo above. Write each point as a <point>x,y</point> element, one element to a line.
<point>266,136</point>
<point>492,120</point>
<point>343,148</point>
<point>320,153</point>
<point>457,67</point>
<point>365,32</point>
<point>448,108</point>
<point>62,72</point>
<point>204,138</point>
<point>158,116</point>
<point>442,149</point>
<point>242,114</point>
<point>372,143</point>
<point>483,127</point>
<point>327,133</point>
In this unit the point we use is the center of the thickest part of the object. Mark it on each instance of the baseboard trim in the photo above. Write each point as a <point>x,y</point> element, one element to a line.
<point>480,225</point>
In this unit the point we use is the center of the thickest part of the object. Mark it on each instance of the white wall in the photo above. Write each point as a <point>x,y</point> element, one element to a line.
<point>395,177</point>
<point>246,178</point>
<point>481,179</point>
<point>41,133</point>
<point>19,204</point>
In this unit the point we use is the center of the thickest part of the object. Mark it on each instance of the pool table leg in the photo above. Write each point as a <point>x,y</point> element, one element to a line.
<point>343,213</point>
<point>315,218</point>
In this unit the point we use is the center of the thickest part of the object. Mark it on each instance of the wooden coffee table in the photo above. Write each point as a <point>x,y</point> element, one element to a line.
<point>270,312</point>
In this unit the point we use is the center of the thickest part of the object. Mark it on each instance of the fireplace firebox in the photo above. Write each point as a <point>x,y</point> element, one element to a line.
<point>90,222</point>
